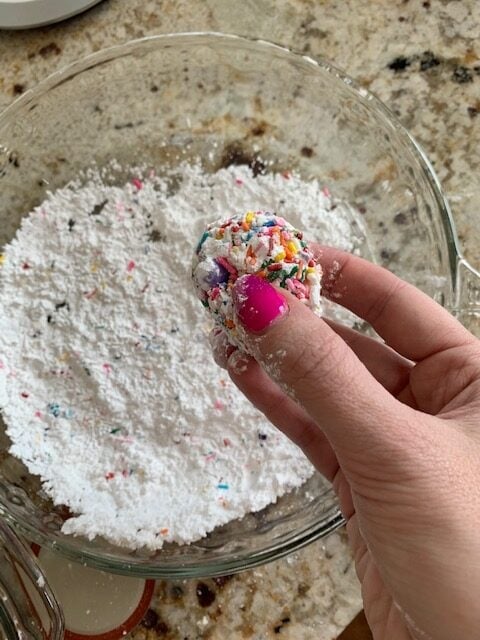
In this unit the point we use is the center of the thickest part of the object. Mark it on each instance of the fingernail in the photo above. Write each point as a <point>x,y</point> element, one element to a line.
<point>257,303</point>
<point>238,362</point>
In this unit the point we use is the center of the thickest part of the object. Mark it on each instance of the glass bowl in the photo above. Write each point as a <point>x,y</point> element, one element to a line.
<point>228,100</point>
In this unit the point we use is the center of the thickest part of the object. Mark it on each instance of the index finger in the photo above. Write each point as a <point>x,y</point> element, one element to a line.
<point>406,318</point>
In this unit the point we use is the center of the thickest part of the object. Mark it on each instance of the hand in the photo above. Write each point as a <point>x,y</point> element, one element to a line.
<point>395,426</point>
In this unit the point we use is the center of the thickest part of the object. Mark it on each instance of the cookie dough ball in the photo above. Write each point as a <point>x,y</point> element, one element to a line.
<point>257,242</point>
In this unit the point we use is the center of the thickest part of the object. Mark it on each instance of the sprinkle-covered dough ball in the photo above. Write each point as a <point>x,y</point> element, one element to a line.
<point>256,242</point>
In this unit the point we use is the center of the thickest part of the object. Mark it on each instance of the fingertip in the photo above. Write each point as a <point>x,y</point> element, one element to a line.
<point>222,349</point>
<point>238,363</point>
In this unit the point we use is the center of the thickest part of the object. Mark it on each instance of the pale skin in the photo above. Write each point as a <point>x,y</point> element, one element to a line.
<point>395,425</point>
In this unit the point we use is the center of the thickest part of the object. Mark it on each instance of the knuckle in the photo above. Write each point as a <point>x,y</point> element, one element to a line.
<point>310,368</point>
<point>380,306</point>
<point>275,404</point>
<point>307,436</point>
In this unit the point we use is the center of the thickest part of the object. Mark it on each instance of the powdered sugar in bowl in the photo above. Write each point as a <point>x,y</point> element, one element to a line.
<point>253,111</point>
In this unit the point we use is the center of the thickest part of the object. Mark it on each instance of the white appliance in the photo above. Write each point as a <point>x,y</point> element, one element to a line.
<point>23,14</point>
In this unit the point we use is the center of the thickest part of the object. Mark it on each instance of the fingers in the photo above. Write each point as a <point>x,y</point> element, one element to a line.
<point>309,361</point>
<point>283,412</point>
<point>222,349</point>
<point>389,368</point>
<point>408,320</point>
<point>385,364</point>
<point>290,418</point>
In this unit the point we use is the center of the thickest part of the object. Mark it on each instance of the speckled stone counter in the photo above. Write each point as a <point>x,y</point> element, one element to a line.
<point>423,60</point>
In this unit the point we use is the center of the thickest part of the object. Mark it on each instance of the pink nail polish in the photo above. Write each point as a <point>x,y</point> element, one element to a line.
<point>257,303</point>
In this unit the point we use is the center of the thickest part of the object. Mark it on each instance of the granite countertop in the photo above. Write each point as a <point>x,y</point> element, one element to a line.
<point>422,59</point>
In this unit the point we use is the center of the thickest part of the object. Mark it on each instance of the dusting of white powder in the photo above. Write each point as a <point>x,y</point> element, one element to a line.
<point>107,384</point>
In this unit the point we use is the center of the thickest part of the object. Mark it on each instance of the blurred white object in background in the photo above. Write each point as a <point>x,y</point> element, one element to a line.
<point>23,14</point>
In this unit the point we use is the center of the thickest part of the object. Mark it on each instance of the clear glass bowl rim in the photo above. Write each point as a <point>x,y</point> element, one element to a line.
<point>297,539</point>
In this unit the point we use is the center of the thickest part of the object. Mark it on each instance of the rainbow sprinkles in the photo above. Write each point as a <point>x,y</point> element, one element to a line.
<point>260,243</point>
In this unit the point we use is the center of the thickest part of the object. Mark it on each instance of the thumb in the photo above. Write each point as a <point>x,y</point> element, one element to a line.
<point>313,365</point>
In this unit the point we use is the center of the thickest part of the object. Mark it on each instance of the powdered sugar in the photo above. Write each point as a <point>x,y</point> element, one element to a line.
<point>107,384</point>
